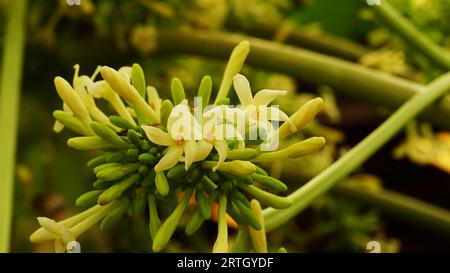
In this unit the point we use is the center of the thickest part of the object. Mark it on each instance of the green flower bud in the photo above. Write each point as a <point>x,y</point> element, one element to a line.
<point>134,137</point>
<point>147,158</point>
<point>177,91</point>
<point>143,170</point>
<point>204,90</point>
<point>116,190</point>
<point>167,229</point>
<point>153,150</point>
<point>133,153</point>
<point>282,250</point>
<point>258,237</point>
<point>166,109</point>
<point>239,196</point>
<point>236,167</point>
<point>176,172</point>
<point>223,101</point>
<point>246,154</point>
<point>115,215</point>
<point>194,223</point>
<point>162,186</point>
<point>70,122</point>
<point>145,145</point>
<point>140,198</point>
<point>260,170</point>
<point>88,199</point>
<point>97,161</point>
<point>108,134</point>
<point>208,183</point>
<point>270,182</point>
<point>138,79</point>
<point>121,123</point>
<point>247,213</point>
<point>247,179</point>
<point>105,166</point>
<point>221,244</point>
<point>117,157</point>
<point>154,223</point>
<point>117,172</point>
<point>101,185</point>
<point>267,198</point>
<point>88,143</point>
<point>203,205</point>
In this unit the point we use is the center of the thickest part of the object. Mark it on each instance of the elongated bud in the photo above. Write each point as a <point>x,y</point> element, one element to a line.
<point>88,143</point>
<point>122,87</point>
<point>70,122</point>
<point>177,91</point>
<point>115,215</point>
<point>134,137</point>
<point>139,201</point>
<point>147,158</point>
<point>50,225</point>
<point>236,167</point>
<point>176,172</point>
<point>121,123</point>
<point>221,244</point>
<point>116,190</point>
<point>204,90</point>
<point>167,229</point>
<point>234,65</point>
<point>270,182</point>
<point>267,198</point>
<point>245,154</point>
<point>203,205</point>
<point>138,79</point>
<point>103,185</point>
<point>108,134</point>
<point>70,97</point>
<point>194,223</point>
<point>303,116</point>
<point>155,222</point>
<point>117,172</point>
<point>117,157</point>
<point>166,109</point>
<point>97,161</point>
<point>258,236</point>
<point>88,199</point>
<point>101,167</point>
<point>247,215</point>
<point>222,101</point>
<point>298,149</point>
<point>260,170</point>
<point>162,186</point>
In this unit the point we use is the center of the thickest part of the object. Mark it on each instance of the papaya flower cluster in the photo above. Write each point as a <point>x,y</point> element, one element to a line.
<point>201,157</point>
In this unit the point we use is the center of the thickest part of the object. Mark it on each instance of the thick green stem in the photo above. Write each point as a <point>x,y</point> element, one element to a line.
<point>320,184</point>
<point>346,77</point>
<point>11,73</point>
<point>413,36</point>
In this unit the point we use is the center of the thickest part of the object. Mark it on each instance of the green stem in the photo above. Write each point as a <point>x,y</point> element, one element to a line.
<point>413,36</point>
<point>11,73</point>
<point>320,184</point>
<point>346,77</point>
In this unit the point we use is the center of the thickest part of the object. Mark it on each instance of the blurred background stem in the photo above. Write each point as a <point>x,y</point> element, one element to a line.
<point>320,184</point>
<point>345,77</point>
<point>10,78</point>
<point>412,35</point>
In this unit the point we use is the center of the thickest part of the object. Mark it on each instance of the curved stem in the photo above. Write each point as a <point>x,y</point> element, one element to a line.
<point>320,184</point>
<point>11,73</point>
<point>347,78</point>
<point>413,36</point>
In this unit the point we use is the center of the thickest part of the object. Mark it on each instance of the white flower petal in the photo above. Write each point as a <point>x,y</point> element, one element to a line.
<point>242,88</point>
<point>221,147</point>
<point>203,150</point>
<point>190,150</point>
<point>170,159</point>
<point>274,113</point>
<point>266,96</point>
<point>158,136</point>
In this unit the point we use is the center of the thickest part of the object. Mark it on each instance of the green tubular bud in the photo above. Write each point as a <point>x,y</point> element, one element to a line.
<point>154,222</point>
<point>145,145</point>
<point>177,91</point>
<point>88,143</point>
<point>247,179</point>
<point>221,244</point>
<point>247,213</point>
<point>233,211</point>
<point>258,236</point>
<point>108,134</point>
<point>88,199</point>
<point>203,205</point>
<point>223,101</point>
<point>149,179</point>
<point>246,154</point>
<point>239,196</point>
<point>208,183</point>
<point>153,150</point>
<point>97,161</point>
<point>270,182</point>
<point>298,149</point>
<point>166,109</point>
<point>117,189</point>
<point>194,174</point>
<point>102,185</point>
<point>139,201</point>
<point>117,157</point>
<point>225,186</point>
<point>204,90</point>
<point>167,229</point>
<point>117,172</point>
<point>176,172</point>
<point>143,170</point>
<point>105,166</point>
<point>115,215</point>
<point>194,223</point>
<point>121,123</point>
<point>236,167</point>
<point>267,198</point>
<point>147,158</point>
<point>134,137</point>
<point>138,79</point>
<point>70,122</point>
<point>260,170</point>
<point>133,153</point>
<point>161,183</point>
<point>214,176</point>
<point>233,67</point>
